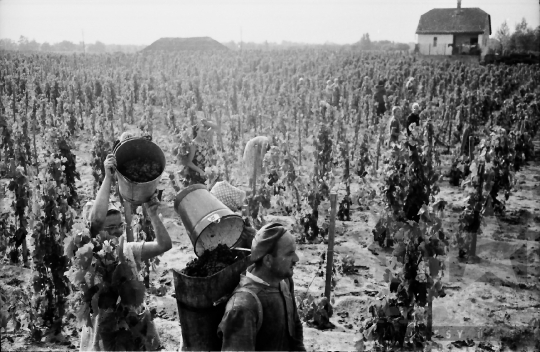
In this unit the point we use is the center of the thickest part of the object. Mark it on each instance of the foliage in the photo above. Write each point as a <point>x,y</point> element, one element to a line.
<point>16,233</point>
<point>411,225</point>
<point>109,291</point>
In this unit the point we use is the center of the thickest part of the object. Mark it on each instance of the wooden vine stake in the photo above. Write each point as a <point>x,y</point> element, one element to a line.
<point>471,148</point>
<point>256,164</point>
<point>299,125</point>
<point>330,251</point>
<point>472,252</point>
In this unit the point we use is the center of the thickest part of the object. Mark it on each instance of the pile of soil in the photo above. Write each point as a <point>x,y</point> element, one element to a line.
<point>211,262</point>
<point>141,170</point>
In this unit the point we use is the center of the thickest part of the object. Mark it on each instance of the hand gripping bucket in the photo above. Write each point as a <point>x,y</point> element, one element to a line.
<point>134,148</point>
<point>208,221</point>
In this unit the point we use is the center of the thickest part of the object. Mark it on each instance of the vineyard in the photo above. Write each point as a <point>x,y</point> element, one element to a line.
<point>438,224</point>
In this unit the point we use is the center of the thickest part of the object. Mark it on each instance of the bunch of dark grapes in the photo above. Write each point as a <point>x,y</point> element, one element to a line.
<point>211,262</point>
<point>141,170</point>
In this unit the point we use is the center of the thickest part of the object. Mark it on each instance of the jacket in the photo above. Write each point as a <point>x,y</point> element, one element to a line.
<point>280,329</point>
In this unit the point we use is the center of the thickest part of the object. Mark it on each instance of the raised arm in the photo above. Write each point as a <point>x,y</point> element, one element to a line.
<point>163,241</point>
<point>99,209</point>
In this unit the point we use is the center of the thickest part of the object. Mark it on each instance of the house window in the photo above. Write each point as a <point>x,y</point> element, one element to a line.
<point>434,41</point>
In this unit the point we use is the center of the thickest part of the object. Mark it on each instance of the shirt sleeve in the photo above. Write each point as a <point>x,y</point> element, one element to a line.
<point>238,328</point>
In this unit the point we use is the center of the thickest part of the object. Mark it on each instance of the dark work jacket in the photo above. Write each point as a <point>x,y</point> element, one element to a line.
<point>281,328</point>
<point>412,118</point>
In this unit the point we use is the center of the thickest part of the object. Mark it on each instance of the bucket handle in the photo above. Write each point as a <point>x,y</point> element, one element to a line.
<point>118,144</point>
<point>215,218</point>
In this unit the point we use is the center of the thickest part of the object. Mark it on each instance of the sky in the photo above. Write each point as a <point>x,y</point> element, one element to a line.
<point>141,22</point>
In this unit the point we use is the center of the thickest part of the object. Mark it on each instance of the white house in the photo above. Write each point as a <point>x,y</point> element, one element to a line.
<point>453,31</point>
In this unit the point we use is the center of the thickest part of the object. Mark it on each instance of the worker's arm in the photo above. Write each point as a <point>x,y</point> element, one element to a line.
<point>238,327</point>
<point>187,160</point>
<point>100,206</point>
<point>163,242</point>
<point>128,216</point>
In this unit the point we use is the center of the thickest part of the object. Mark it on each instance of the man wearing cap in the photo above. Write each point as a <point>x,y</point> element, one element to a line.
<point>261,314</point>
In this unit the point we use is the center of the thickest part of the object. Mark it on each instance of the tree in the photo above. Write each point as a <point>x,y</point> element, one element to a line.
<point>503,35</point>
<point>46,47</point>
<point>521,26</point>
<point>8,44</point>
<point>64,46</point>
<point>98,47</point>
<point>365,42</point>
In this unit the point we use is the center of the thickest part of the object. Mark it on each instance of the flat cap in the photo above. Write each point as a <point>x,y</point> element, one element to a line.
<point>265,240</point>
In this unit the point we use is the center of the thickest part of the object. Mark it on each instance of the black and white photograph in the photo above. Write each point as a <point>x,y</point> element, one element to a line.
<point>270,175</point>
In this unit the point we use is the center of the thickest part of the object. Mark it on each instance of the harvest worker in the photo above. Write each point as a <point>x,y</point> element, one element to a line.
<point>414,118</point>
<point>380,99</point>
<point>395,124</point>
<point>105,219</point>
<point>254,153</point>
<point>262,314</point>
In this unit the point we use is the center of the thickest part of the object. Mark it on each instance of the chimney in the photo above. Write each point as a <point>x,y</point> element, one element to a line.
<point>459,4</point>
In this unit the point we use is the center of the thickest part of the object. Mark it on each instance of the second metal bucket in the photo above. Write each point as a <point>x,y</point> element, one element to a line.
<point>208,221</point>
<point>138,192</point>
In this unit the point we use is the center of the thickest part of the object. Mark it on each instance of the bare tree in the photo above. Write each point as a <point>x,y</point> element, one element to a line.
<point>503,35</point>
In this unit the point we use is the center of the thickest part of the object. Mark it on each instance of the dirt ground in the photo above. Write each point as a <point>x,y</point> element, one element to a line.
<point>491,301</point>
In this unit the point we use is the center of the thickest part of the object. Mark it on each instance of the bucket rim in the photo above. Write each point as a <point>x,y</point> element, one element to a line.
<point>233,215</point>
<point>243,260</point>
<point>145,140</point>
<point>183,193</point>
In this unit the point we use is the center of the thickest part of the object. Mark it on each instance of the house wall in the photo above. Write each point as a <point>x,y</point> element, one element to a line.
<point>485,35</point>
<point>465,39</point>
<point>425,44</point>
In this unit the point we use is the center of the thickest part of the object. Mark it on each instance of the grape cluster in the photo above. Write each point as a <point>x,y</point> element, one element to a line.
<point>141,169</point>
<point>211,262</point>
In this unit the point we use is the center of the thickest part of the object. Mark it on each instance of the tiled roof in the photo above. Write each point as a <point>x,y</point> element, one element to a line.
<point>454,20</point>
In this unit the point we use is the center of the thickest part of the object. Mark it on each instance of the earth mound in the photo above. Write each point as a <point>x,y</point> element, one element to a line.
<point>185,44</point>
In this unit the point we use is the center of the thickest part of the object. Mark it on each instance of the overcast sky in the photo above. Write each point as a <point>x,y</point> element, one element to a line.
<point>309,21</point>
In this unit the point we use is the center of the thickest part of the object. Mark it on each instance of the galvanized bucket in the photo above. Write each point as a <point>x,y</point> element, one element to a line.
<point>138,192</point>
<point>208,221</point>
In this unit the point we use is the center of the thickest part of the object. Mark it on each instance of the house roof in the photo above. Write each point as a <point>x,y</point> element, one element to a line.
<point>454,20</point>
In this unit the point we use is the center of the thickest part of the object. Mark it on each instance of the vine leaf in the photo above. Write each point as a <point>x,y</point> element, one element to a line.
<point>84,256</point>
<point>76,276</point>
<point>83,315</point>
<point>434,266</point>
<point>132,293</point>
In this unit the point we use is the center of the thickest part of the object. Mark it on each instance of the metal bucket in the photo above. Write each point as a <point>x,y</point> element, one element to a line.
<point>208,221</point>
<point>138,192</point>
<point>201,304</point>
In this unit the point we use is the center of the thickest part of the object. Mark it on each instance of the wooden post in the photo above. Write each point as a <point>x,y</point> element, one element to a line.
<point>471,146</point>
<point>330,251</point>
<point>256,164</point>
<point>378,152</point>
<point>472,251</point>
<point>299,125</point>
<point>429,326</point>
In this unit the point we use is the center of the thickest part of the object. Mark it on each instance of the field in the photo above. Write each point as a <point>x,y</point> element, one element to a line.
<point>62,114</point>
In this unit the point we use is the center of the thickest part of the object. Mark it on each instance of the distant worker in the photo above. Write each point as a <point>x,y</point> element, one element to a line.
<point>394,123</point>
<point>254,153</point>
<point>414,118</point>
<point>380,98</point>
